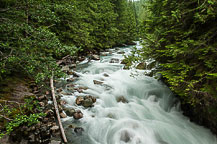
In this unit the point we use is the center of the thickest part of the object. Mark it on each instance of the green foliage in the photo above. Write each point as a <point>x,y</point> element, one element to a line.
<point>20,114</point>
<point>33,34</point>
<point>181,35</point>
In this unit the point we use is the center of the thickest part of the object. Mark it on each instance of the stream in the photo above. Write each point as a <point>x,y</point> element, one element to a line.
<point>147,111</point>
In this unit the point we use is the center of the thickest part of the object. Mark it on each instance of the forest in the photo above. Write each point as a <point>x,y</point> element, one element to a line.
<point>180,35</point>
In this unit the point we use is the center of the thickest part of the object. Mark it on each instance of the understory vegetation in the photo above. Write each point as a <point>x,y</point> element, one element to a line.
<point>182,37</point>
<point>35,34</point>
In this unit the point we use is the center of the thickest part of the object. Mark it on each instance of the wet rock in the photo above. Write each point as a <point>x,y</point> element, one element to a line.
<point>62,102</point>
<point>87,102</point>
<point>69,72</point>
<point>105,75</point>
<point>141,66</point>
<point>65,68</point>
<point>55,142</point>
<point>59,90</point>
<point>70,112</point>
<point>70,89</point>
<point>95,57</point>
<point>78,130</point>
<point>79,100</point>
<point>104,54</point>
<point>75,74</point>
<point>72,66</point>
<point>97,82</point>
<point>78,115</point>
<point>62,115</point>
<point>49,112</point>
<point>70,80</point>
<point>71,126</point>
<point>122,99</point>
<point>114,60</point>
<point>65,93</point>
<point>125,136</point>
<point>121,52</point>
<point>54,129</point>
<point>81,58</point>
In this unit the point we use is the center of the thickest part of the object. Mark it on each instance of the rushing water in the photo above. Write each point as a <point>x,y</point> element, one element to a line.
<point>151,116</point>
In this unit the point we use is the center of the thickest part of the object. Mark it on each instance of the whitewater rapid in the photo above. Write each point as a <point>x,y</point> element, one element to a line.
<point>150,115</point>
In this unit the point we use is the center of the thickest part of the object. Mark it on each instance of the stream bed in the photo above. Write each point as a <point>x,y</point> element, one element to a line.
<point>130,108</point>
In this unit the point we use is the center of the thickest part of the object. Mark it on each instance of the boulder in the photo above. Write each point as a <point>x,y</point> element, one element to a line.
<point>79,100</point>
<point>69,72</point>
<point>65,68</point>
<point>105,75</point>
<point>72,66</point>
<point>121,52</point>
<point>95,57</point>
<point>114,60</point>
<point>78,130</point>
<point>62,115</point>
<point>54,129</point>
<point>122,99</point>
<point>70,112</point>
<point>78,115</point>
<point>86,101</point>
<point>55,142</point>
<point>104,54</point>
<point>96,82</point>
<point>70,80</point>
<point>141,66</point>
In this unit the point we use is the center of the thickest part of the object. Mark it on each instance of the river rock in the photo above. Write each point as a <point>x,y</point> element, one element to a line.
<point>86,101</point>
<point>79,100</point>
<point>69,72</point>
<point>72,66</point>
<point>54,129</point>
<point>70,89</point>
<point>96,82</point>
<point>141,66</point>
<point>75,74</point>
<point>121,52</point>
<point>78,130</point>
<point>70,80</point>
<point>104,54</point>
<point>95,57</point>
<point>62,115</point>
<point>122,99</point>
<point>114,60</point>
<point>55,142</point>
<point>78,115</point>
<point>59,90</point>
<point>105,75</point>
<point>62,102</point>
<point>65,68</point>
<point>70,112</point>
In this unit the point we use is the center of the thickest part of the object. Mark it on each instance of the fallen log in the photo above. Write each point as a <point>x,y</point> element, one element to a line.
<point>57,110</point>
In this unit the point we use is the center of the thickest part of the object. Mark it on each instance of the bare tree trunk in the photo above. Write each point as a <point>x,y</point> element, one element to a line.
<point>57,110</point>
